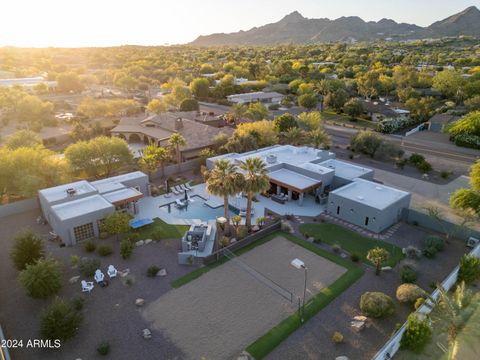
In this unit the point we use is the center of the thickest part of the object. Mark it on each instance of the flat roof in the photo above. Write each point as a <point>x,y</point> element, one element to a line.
<point>370,193</point>
<point>255,95</point>
<point>107,186</point>
<point>123,195</point>
<point>60,192</point>
<point>112,182</point>
<point>345,170</point>
<point>293,179</point>
<point>79,207</point>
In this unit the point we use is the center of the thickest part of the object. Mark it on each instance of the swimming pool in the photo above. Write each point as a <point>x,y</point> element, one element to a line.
<point>196,210</point>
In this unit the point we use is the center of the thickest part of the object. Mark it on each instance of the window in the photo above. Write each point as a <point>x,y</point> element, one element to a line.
<point>366,221</point>
<point>83,232</point>
<point>338,210</point>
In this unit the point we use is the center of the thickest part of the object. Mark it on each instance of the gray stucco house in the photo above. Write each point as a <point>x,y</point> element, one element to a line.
<point>75,210</point>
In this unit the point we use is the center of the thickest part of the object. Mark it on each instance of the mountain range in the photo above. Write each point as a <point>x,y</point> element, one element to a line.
<point>296,29</point>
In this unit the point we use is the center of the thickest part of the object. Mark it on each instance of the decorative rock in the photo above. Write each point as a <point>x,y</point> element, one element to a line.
<point>357,325</point>
<point>162,272</point>
<point>140,302</point>
<point>343,255</point>
<point>147,334</point>
<point>124,273</point>
<point>74,279</point>
<point>360,318</point>
<point>139,243</point>
<point>311,239</point>
<point>233,240</point>
<point>255,228</point>
<point>342,358</point>
<point>386,268</point>
<point>148,241</point>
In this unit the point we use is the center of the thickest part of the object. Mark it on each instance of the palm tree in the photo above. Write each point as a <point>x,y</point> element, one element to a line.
<point>222,180</point>
<point>294,136</point>
<point>255,180</point>
<point>318,137</point>
<point>237,112</point>
<point>176,140</point>
<point>153,157</point>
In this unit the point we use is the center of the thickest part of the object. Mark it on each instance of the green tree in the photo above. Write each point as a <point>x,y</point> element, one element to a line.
<point>469,269</point>
<point>310,120</point>
<point>27,249</point>
<point>336,99</point>
<point>317,138</point>
<point>294,136</point>
<point>154,157</point>
<point>448,82</point>
<point>189,105</point>
<point>254,180</point>
<point>420,110</point>
<point>369,84</point>
<point>285,122</point>
<point>99,157</point>
<point>34,112</point>
<point>222,180</point>
<point>469,124</point>
<point>69,82</point>
<point>23,138</point>
<point>256,111</point>
<point>176,140</point>
<point>469,199</point>
<point>366,142</point>
<point>353,108</point>
<point>237,112</point>
<point>377,256</point>
<point>41,279</point>
<point>157,106</point>
<point>308,101</point>
<point>116,223</point>
<point>60,320</point>
<point>200,87</point>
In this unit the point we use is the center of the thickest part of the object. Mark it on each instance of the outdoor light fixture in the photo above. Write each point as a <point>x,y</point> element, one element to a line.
<point>299,264</point>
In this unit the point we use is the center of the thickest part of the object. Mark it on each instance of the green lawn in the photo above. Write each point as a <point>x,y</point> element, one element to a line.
<point>269,341</point>
<point>331,116</point>
<point>351,241</point>
<point>159,230</point>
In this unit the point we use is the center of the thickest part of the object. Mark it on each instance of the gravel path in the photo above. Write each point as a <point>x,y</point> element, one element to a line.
<point>222,312</point>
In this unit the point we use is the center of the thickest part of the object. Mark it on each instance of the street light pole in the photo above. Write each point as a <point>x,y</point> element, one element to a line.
<point>304,292</point>
<point>299,264</point>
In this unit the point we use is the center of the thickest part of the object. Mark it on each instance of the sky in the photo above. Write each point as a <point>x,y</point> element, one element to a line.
<point>68,23</point>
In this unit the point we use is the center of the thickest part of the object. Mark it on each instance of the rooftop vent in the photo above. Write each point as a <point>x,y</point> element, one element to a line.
<point>178,124</point>
<point>378,188</point>
<point>71,191</point>
<point>360,197</point>
<point>271,159</point>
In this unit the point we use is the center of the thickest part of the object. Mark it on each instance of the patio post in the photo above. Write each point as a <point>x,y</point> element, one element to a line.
<point>300,199</point>
<point>289,194</point>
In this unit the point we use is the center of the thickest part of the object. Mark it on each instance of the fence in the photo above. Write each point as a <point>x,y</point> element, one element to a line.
<point>391,346</point>
<point>217,255</point>
<point>418,218</point>
<point>175,169</point>
<point>18,207</point>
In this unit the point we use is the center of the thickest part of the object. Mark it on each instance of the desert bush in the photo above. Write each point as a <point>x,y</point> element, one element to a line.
<point>408,274</point>
<point>126,248</point>
<point>412,252</point>
<point>103,348</point>
<point>424,167</point>
<point>355,257</point>
<point>89,246</point>
<point>336,248</point>
<point>41,279</point>
<point>430,252</point>
<point>27,249</point>
<point>103,235</point>
<point>287,227</point>
<point>60,320</point>
<point>417,333</point>
<point>469,270</point>
<point>77,303</point>
<point>242,232</point>
<point>376,304</point>
<point>74,260</point>
<point>104,250</point>
<point>418,303</point>
<point>416,159</point>
<point>435,241</point>
<point>337,337</point>
<point>87,266</point>
<point>444,174</point>
<point>409,293</point>
<point>224,241</point>
<point>152,271</point>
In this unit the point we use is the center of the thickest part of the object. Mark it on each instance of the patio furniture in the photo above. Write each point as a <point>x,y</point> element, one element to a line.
<point>180,204</point>
<point>279,199</point>
<point>187,185</point>
<point>175,191</point>
<point>99,276</point>
<point>111,271</point>
<point>184,188</point>
<point>87,286</point>
<point>179,189</point>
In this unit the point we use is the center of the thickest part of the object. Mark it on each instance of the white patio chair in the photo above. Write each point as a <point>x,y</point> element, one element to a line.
<point>111,271</point>
<point>175,191</point>
<point>187,185</point>
<point>179,189</point>
<point>99,276</point>
<point>87,286</point>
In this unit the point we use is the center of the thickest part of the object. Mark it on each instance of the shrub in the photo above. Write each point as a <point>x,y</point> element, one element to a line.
<point>287,227</point>
<point>418,303</point>
<point>87,266</point>
<point>103,235</point>
<point>42,279</point>
<point>435,241</point>
<point>355,257</point>
<point>469,270</point>
<point>27,249</point>
<point>444,174</point>
<point>89,246</point>
<point>424,167</point>
<point>376,304</point>
<point>60,320</point>
<point>430,252</point>
<point>242,232</point>
<point>74,260</point>
<point>417,333</point>
<point>408,274</point>
<point>77,303</point>
<point>401,163</point>
<point>416,159</point>
<point>409,293</point>
<point>152,271</point>
<point>412,252</point>
<point>337,337</point>
<point>224,241</point>
<point>336,248</point>
<point>104,250</point>
<point>103,348</point>
<point>126,248</point>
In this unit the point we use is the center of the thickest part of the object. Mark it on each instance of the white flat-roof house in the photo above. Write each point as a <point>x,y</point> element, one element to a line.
<point>296,172</point>
<point>259,96</point>
<point>75,210</point>
<point>28,83</point>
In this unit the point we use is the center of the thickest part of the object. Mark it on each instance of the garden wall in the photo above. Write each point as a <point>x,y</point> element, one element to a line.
<point>19,207</point>
<point>393,345</point>
<point>217,255</point>
<point>416,217</point>
<point>174,169</point>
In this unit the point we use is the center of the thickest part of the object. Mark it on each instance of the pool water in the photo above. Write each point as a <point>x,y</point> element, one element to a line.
<point>195,210</point>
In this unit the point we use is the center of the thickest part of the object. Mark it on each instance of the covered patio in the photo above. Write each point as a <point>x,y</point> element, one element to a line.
<point>288,185</point>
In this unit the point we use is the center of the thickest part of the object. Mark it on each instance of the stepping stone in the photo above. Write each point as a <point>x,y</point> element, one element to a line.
<point>140,302</point>
<point>140,243</point>
<point>73,279</point>
<point>124,273</point>
<point>148,241</point>
<point>386,268</point>
<point>342,358</point>
<point>147,334</point>
<point>357,325</point>
<point>162,272</point>
<point>360,318</point>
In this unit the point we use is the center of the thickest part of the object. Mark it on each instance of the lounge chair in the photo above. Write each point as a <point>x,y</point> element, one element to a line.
<point>112,272</point>
<point>175,191</point>
<point>87,286</point>
<point>179,189</point>
<point>184,187</point>
<point>187,185</point>
<point>179,203</point>
<point>99,276</point>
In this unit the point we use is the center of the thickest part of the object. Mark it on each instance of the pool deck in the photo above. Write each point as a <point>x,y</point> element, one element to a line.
<point>149,206</point>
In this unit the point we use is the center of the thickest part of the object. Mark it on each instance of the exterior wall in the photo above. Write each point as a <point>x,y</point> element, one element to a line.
<point>140,182</point>
<point>378,220</point>
<point>339,181</point>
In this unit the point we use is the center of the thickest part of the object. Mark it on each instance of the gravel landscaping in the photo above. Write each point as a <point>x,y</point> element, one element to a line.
<point>222,312</point>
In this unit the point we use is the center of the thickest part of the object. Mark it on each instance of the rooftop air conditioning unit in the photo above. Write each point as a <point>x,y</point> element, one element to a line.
<point>271,159</point>
<point>71,191</point>
<point>472,242</point>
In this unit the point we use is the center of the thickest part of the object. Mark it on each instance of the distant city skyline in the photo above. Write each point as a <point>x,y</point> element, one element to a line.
<point>33,23</point>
